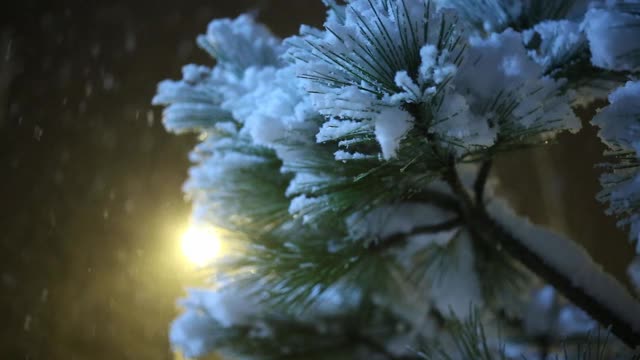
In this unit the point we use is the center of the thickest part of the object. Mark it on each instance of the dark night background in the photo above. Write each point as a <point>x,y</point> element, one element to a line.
<point>91,207</point>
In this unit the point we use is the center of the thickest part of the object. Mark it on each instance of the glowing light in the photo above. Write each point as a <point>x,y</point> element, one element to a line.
<point>200,245</point>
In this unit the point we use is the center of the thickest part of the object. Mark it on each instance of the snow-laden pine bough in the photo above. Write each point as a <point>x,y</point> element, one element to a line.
<point>349,170</point>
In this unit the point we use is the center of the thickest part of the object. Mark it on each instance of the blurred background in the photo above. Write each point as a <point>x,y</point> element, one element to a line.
<point>91,209</point>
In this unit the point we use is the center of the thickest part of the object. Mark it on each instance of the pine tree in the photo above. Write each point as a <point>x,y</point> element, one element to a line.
<point>348,169</point>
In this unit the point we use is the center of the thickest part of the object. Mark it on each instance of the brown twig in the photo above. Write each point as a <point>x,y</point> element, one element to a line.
<point>481,181</point>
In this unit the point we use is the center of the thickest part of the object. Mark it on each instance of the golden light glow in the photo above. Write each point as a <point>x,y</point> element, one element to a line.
<point>200,244</point>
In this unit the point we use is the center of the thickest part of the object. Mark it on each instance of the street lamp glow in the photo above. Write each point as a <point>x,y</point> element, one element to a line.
<point>200,245</point>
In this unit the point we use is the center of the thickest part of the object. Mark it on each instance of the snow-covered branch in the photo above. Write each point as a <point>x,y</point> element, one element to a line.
<point>565,265</point>
<point>351,165</point>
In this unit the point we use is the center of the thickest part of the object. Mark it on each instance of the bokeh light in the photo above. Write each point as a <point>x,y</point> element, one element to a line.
<point>201,244</point>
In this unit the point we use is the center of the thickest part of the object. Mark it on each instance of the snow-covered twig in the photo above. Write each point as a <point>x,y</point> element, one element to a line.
<point>559,261</point>
<point>400,238</point>
<point>566,266</point>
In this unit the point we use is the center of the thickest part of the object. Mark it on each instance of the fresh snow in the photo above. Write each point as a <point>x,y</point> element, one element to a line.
<point>620,130</point>
<point>207,313</point>
<point>613,38</point>
<point>391,126</point>
<point>458,290</point>
<point>618,122</point>
<point>559,40</point>
<point>547,315</point>
<point>241,42</point>
<point>388,220</point>
<point>500,64</point>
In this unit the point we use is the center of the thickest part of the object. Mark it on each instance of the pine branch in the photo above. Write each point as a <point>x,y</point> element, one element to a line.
<point>399,239</point>
<point>368,71</point>
<point>487,229</point>
<point>452,178</point>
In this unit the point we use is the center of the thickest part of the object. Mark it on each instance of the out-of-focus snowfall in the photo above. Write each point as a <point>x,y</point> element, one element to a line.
<point>92,213</point>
